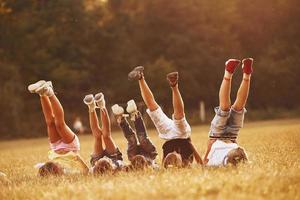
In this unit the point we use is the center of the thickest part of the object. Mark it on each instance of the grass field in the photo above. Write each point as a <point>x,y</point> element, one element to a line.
<point>273,173</point>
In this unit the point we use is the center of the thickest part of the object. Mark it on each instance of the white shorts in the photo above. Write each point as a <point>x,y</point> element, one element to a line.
<point>73,146</point>
<point>167,128</point>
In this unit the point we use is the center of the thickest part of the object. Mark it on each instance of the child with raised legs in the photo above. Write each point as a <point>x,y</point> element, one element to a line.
<point>222,145</point>
<point>64,144</point>
<point>106,156</point>
<point>178,149</point>
<point>140,151</point>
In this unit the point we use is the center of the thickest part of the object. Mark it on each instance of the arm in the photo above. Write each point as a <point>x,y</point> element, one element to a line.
<point>210,143</point>
<point>197,155</point>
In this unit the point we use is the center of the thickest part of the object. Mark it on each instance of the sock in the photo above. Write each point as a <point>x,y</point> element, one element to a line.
<point>227,75</point>
<point>246,77</point>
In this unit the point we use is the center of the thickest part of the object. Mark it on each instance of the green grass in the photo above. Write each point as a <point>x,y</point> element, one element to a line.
<point>274,172</point>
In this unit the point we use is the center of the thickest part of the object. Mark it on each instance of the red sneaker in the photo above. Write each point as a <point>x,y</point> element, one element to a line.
<point>247,65</point>
<point>231,65</point>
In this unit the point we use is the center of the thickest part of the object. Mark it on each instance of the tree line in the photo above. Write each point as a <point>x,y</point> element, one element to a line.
<point>87,46</point>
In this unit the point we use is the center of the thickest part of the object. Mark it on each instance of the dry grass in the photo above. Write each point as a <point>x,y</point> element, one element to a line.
<point>274,171</point>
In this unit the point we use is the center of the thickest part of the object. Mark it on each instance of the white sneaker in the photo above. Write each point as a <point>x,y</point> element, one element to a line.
<point>90,102</point>
<point>45,89</point>
<point>100,101</point>
<point>32,87</point>
<point>132,109</point>
<point>117,110</point>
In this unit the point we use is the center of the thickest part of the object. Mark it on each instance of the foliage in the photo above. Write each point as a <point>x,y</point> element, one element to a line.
<point>87,46</point>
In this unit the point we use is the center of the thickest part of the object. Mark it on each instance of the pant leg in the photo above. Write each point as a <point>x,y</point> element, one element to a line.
<point>235,123</point>
<point>219,123</point>
<point>131,139</point>
<point>143,138</point>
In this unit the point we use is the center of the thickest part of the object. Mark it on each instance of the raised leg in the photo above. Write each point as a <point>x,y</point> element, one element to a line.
<point>66,134</point>
<point>147,95</point>
<point>97,133</point>
<point>110,145</point>
<point>49,118</point>
<point>130,137</point>
<point>243,92</point>
<point>178,104</point>
<point>225,89</point>
<point>143,138</point>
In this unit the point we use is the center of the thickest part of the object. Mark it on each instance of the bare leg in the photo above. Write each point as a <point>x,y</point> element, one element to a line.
<point>49,118</point>
<point>242,94</point>
<point>97,133</point>
<point>106,131</point>
<point>66,134</point>
<point>178,104</point>
<point>224,93</point>
<point>147,95</point>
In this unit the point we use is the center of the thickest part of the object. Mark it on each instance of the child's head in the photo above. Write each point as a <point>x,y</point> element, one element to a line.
<point>50,168</point>
<point>173,160</point>
<point>139,162</point>
<point>235,156</point>
<point>102,166</point>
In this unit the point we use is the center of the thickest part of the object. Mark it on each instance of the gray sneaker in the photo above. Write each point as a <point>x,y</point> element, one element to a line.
<point>136,73</point>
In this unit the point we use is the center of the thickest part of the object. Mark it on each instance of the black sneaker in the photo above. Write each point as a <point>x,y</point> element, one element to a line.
<point>173,78</point>
<point>136,73</point>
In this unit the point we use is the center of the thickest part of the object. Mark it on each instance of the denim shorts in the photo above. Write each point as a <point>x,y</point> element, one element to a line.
<point>227,124</point>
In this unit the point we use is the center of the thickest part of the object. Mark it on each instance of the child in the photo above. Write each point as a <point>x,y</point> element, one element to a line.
<point>143,154</point>
<point>64,155</point>
<point>105,157</point>
<point>178,149</point>
<point>222,146</point>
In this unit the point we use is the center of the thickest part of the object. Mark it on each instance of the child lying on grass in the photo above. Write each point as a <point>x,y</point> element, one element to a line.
<point>178,149</point>
<point>222,145</point>
<point>106,157</point>
<point>64,144</point>
<point>143,154</point>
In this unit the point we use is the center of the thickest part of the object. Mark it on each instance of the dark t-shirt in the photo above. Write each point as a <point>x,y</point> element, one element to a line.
<point>181,146</point>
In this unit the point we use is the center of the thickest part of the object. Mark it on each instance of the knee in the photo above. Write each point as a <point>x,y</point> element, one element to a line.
<point>106,136</point>
<point>60,125</point>
<point>50,122</point>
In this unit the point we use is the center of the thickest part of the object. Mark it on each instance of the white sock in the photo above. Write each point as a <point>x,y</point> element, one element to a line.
<point>228,74</point>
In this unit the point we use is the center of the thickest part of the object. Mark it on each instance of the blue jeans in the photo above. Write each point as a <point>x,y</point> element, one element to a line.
<point>145,146</point>
<point>227,124</point>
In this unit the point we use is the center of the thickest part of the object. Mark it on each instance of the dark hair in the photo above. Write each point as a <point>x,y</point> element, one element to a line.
<point>50,168</point>
<point>103,166</point>
<point>173,160</point>
<point>235,156</point>
<point>183,147</point>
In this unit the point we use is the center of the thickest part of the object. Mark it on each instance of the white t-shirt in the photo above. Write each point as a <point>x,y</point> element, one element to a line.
<point>218,152</point>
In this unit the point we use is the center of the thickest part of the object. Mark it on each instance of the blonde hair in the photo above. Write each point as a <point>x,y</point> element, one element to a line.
<point>235,156</point>
<point>173,160</point>
<point>50,168</point>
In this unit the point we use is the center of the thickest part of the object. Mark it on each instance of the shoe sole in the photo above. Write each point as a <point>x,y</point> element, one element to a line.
<point>33,87</point>
<point>135,73</point>
<point>131,106</point>
<point>88,99</point>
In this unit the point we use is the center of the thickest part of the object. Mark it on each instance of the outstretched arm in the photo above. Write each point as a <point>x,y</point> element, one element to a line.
<point>210,143</point>
<point>197,155</point>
